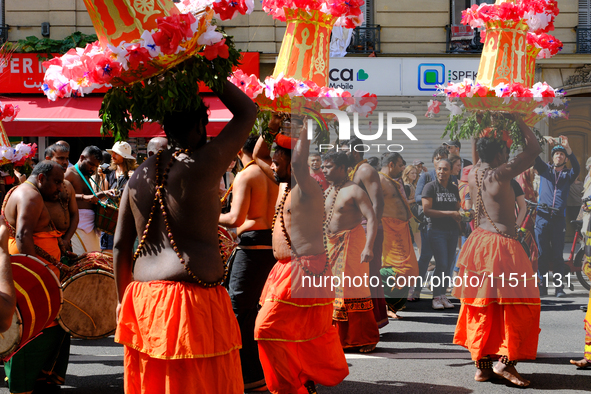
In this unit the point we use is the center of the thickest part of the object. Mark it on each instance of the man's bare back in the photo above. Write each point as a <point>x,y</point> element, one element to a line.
<point>497,195</point>
<point>192,214</point>
<point>394,206</point>
<point>251,186</point>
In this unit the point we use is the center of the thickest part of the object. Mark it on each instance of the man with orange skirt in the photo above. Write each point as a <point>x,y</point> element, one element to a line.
<point>42,363</point>
<point>399,269</point>
<point>298,346</point>
<point>175,318</point>
<point>350,252</point>
<point>500,313</point>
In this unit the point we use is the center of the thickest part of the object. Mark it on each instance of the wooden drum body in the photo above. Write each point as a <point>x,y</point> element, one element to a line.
<point>90,298</point>
<point>106,218</point>
<point>38,300</point>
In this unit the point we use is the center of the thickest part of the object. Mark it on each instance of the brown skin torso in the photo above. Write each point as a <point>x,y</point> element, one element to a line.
<point>80,188</point>
<point>306,235</point>
<point>23,197</point>
<point>59,210</point>
<point>193,207</point>
<point>394,205</point>
<point>498,198</point>
<point>252,207</point>
<point>346,214</point>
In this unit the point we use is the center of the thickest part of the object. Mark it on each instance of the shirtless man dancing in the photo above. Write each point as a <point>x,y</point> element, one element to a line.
<point>253,197</point>
<point>498,321</point>
<point>367,178</point>
<point>350,251</point>
<point>298,346</point>
<point>398,257</point>
<point>170,289</point>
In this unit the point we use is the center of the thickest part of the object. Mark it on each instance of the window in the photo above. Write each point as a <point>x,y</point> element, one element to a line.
<point>461,38</point>
<point>366,38</point>
<point>584,27</point>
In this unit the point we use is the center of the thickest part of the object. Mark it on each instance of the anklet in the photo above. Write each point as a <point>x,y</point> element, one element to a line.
<point>505,360</point>
<point>484,363</point>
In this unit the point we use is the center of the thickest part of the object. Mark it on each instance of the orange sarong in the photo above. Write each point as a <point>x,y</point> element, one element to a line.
<point>179,337</point>
<point>353,307</point>
<point>495,318</point>
<point>297,342</point>
<point>398,251</point>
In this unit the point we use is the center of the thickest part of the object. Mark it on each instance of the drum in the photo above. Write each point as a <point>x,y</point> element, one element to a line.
<point>227,243</point>
<point>106,218</point>
<point>38,302</point>
<point>90,297</point>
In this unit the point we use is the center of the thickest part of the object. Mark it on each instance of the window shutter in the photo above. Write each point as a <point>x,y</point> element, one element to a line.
<point>584,13</point>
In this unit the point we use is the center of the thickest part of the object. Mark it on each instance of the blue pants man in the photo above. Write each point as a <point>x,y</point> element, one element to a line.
<point>549,232</point>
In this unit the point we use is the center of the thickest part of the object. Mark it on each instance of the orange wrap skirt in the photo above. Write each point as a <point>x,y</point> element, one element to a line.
<point>497,318</point>
<point>353,308</point>
<point>398,251</point>
<point>179,337</point>
<point>297,341</point>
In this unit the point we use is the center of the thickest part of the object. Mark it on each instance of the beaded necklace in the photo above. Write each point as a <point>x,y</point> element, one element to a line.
<point>337,188</point>
<point>159,200</point>
<point>279,212</point>
<point>480,205</point>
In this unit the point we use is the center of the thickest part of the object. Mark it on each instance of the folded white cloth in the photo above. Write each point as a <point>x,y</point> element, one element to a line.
<point>86,220</point>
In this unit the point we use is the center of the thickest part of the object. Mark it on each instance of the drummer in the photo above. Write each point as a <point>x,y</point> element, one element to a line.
<point>41,364</point>
<point>86,237</point>
<point>64,211</point>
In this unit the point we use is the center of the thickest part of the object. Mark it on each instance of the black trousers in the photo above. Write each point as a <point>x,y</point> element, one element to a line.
<point>250,269</point>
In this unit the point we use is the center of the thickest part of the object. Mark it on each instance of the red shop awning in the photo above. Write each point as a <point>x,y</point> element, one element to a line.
<point>78,117</point>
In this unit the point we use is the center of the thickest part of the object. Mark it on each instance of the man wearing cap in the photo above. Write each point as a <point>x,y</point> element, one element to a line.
<point>420,168</point>
<point>454,147</point>
<point>555,181</point>
<point>86,238</point>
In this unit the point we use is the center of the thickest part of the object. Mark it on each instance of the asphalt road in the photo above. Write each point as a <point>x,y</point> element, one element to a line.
<point>415,355</point>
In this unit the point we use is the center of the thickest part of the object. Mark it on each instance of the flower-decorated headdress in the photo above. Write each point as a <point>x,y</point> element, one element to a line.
<point>514,33</point>
<point>152,53</point>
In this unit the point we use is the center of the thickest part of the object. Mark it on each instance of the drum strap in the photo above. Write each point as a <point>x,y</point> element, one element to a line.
<point>88,185</point>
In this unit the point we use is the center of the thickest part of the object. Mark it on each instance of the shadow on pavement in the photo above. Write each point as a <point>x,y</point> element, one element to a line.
<point>393,387</point>
<point>421,337</point>
<point>93,384</point>
<point>549,382</point>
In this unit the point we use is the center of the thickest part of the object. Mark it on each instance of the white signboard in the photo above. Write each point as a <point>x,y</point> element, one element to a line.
<point>376,75</point>
<point>420,76</point>
<point>399,76</point>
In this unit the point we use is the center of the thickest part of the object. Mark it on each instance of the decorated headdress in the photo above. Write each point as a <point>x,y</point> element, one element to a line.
<point>514,33</point>
<point>301,71</point>
<point>152,53</point>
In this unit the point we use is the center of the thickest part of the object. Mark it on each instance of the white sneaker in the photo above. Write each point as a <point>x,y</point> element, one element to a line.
<point>446,303</point>
<point>437,304</point>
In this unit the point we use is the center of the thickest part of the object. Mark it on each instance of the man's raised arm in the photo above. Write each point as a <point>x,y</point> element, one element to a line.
<point>525,159</point>
<point>299,164</point>
<point>231,138</point>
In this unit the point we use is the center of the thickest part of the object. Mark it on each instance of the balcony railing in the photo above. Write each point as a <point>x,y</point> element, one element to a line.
<point>365,40</point>
<point>3,34</point>
<point>460,45</point>
<point>583,39</point>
